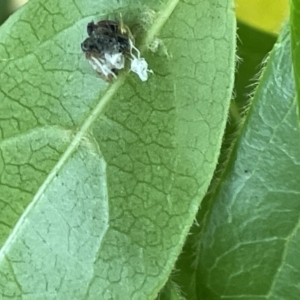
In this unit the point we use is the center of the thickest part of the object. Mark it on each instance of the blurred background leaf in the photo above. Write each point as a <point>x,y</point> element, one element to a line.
<point>4,10</point>
<point>7,7</point>
<point>266,15</point>
<point>257,33</point>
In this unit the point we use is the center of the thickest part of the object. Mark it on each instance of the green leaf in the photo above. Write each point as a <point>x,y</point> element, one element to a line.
<point>249,244</point>
<point>100,182</point>
<point>295,37</point>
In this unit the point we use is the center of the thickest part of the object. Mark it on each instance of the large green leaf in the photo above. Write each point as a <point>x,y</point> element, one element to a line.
<point>248,246</point>
<point>101,182</point>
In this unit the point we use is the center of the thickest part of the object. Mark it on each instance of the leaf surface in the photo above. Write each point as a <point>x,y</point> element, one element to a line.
<point>100,183</point>
<point>249,247</point>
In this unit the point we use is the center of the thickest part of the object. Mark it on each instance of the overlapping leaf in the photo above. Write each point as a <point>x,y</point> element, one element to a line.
<point>248,245</point>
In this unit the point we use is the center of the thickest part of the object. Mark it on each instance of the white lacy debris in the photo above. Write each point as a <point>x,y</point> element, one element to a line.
<point>116,61</point>
<point>102,66</point>
<point>138,63</point>
<point>110,62</point>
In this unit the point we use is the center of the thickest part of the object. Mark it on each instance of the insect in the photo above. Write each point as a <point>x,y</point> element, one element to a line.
<point>106,46</point>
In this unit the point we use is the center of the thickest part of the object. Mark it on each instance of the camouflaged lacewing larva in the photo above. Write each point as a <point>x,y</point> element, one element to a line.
<point>106,47</point>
